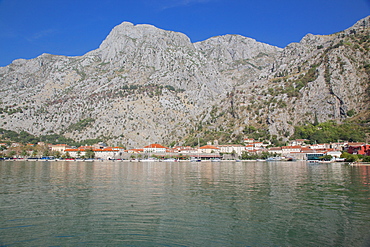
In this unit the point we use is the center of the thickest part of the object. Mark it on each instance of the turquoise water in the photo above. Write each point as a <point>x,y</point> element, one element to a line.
<point>183,204</point>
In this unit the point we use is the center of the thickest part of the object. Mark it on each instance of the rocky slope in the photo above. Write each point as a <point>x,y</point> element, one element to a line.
<point>145,85</point>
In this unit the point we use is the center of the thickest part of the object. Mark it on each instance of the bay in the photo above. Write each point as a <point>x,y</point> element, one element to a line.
<point>183,204</point>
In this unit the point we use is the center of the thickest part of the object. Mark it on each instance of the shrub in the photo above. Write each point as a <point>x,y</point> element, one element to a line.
<point>366,159</point>
<point>80,125</point>
<point>351,113</point>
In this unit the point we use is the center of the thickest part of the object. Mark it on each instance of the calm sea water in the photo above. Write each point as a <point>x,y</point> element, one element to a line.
<point>183,204</point>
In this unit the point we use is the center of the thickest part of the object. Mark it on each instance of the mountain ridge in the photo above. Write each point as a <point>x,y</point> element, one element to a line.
<point>144,84</point>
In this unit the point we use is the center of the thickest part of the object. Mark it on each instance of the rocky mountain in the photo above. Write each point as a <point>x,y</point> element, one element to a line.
<point>145,85</point>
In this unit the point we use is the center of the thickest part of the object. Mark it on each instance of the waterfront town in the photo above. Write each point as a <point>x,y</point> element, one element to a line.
<point>251,150</point>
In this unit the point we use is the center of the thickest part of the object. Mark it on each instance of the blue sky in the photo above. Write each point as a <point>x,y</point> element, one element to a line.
<point>74,27</point>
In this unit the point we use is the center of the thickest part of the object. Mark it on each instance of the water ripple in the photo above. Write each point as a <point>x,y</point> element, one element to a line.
<point>183,204</point>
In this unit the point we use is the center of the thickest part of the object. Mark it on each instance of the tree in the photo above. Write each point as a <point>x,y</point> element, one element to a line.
<point>67,155</point>
<point>366,159</point>
<point>12,153</point>
<point>349,157</point>
<point>89,154</point>
<point>233,154</point>
<point>56,154</point>
<point>46,152</point>
<point>326,157</point>
<point>24,153</point>
<point>249,156</point>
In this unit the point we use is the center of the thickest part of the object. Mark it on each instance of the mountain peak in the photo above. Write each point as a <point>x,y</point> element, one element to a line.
<point>128,27</point>
<point>127,37</point>
<point>234,47</point>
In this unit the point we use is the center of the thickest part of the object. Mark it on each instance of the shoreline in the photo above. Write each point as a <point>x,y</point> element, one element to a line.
<point>360,164</point>
<point>173,161</point>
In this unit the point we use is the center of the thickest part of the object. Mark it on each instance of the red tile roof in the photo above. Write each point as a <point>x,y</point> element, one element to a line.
<point>107,149</point>
<point>231,145</point>
<point>154,146</point>
<point>136,150</point>
<point>86,147</point>
<point>208,147</point>
<point>275,148</point>
<point>74,150</point>
<point>291,147</point>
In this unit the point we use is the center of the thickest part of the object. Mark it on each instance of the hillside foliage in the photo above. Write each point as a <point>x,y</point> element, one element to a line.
<point>331,132</point>
<point>25,137</point>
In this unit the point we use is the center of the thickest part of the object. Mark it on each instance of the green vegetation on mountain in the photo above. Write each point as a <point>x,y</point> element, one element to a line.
<point>22,137</point>
<point>25,137</point>
<point>10,110</point>
<point>204,135</point>
<point>292,88</point>
<point>80,125</point>
<point>330,131</point>
<point>256,133</point>
<point>326,132</point>
<point>150,89</point>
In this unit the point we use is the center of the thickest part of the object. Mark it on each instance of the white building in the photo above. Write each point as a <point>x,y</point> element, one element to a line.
<point>290,149</point>
<point>154,148</point>
<point>107,153</point>
<point>59,147</point>
<point>275,150</point>
<point>318,146</point>
<point>298,142</point>
<point>335,154</point>
<point>208,149</point>
<point>248,140</point>
<point>238,149</point>
<point>187,150</point>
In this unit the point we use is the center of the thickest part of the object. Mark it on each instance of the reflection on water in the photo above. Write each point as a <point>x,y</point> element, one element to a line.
<point>184,204</point>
